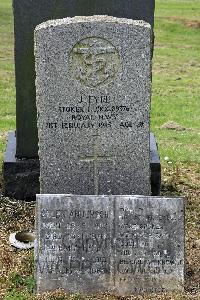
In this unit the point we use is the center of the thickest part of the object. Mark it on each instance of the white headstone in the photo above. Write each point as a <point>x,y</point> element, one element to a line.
<point>93,89</point>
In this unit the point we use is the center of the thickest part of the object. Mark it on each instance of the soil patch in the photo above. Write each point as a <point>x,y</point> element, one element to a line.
<point>192,24</point>
<point>171,125</point>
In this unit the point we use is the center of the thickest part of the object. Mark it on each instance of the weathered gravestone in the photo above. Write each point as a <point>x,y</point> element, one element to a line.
<point>117,244</point>
<point>21,175</point>
<point>93,86</point>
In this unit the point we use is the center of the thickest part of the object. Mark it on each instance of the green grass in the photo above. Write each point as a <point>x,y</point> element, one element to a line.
<point>7,80</point>
<point>176,86</point>
<point>188,9</point>
<point>21,287</point>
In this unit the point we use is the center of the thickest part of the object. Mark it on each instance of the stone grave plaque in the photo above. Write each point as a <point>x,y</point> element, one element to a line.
<point>118,244</point>
<point>93,84</point>
<point>74,249</point>
<point>149,249</point>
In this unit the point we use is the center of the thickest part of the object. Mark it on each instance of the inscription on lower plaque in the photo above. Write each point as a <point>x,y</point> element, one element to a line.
<point>119,244</point>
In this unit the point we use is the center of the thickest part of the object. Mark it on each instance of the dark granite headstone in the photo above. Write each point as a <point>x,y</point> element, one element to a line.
<point>118,244</point>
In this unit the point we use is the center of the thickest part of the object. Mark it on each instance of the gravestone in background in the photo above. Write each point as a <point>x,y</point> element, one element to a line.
<point>21,176</point>
<point>119,244</point>
<point>93,87</point>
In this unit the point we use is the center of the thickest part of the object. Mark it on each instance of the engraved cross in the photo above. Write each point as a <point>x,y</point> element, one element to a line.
<point>96,158</point>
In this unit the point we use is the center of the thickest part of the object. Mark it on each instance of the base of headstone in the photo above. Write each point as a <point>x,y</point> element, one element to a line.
<point>155,167</point>
<point>21,176</point>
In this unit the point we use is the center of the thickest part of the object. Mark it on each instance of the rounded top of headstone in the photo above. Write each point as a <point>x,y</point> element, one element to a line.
<point>95,18</point>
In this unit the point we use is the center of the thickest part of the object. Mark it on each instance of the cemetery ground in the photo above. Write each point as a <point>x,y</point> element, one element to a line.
<point>174,120</point>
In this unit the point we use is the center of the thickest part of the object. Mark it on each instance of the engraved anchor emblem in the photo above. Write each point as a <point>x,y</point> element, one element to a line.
<point>94,61</point>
